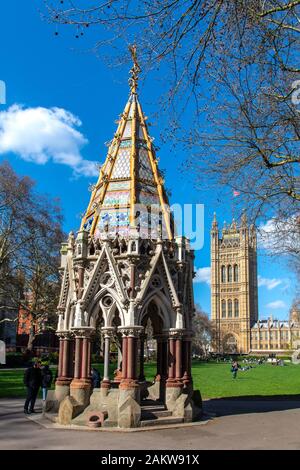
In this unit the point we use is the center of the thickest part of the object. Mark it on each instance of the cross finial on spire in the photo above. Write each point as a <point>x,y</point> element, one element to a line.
<point>134,71</point>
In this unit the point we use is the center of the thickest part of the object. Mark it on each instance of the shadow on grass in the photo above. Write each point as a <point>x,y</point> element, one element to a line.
<point>251,404</point>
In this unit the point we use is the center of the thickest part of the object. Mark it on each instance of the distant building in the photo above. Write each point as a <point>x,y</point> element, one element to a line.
<point>234,297</point>
<point>45,341</point>
<point>275,336</point>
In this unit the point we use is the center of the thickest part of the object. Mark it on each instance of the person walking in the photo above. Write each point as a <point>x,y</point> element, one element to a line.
<point>33,381</point>
<point>46,380</point>
<point>234,369</point>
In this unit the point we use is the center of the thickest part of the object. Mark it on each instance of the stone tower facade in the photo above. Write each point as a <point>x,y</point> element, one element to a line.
<point>233,285</point>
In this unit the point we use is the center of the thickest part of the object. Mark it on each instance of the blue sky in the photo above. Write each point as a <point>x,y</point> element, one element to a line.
<point>44,72</point>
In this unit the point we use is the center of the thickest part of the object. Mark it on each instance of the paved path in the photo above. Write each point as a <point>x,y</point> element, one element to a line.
<point>240,424</point>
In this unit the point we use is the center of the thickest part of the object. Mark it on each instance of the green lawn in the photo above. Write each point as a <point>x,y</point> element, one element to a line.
<point>212,379</point>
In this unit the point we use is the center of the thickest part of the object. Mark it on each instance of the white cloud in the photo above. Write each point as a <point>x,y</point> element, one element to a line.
<point>203,275</point>
<point>276,304</point>
<point>40,134</point>
<point>268,283</point>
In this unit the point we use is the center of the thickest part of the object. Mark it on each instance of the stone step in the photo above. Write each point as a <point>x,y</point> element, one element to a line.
<point>161,421</point>
<point>153,403</point>
<point>153,414</point>
<point>153,407</point>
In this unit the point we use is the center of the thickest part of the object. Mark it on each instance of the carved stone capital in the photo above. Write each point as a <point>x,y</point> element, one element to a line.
<point>84,332</point>
<point>176,333</point>
<point>108,331</point>
<point>64,335</point>
<point>135,331</point>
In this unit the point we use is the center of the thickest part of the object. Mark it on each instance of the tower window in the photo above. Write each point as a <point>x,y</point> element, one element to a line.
<point>236,273</point>
<point>223,308</point>
<point>229,276</point>
<point>229,308</point>
<point>223,274</point>
<point>236,308</point>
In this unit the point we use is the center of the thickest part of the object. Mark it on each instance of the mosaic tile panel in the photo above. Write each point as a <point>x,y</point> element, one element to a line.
<point>116,197</point>
<point>114,217</point>
<point>115,185</point>
<point>148,198</point>
<point>122,164</point>
<point>144,165</point>
<point>125,143</point>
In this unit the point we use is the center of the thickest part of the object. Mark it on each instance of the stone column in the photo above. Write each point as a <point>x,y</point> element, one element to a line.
<point>178,363</point>
<point>84,361</point>
<point>65,362</point>
<point>124,357</point>
<point>159,358</point>
<point>164,368</point>
<point>129,356</point>
<point>71,357</point>
<point>78,353</point>
<point>175,357</point>
<point>174,383</point>
<point>142,352</point>
<point>89,358</point>
<point>187,375</point>
<point>107,340</point>
<point>129,411</point>
<point>119,358</point>
<point>171,359</point>
<point>64,371</point>
<point>81,384</point>
<point>60,357</point>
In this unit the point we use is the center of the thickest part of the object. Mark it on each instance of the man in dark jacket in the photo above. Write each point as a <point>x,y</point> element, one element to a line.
<point>33,381</point>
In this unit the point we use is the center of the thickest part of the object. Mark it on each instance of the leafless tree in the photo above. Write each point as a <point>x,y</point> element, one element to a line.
<point>233,66</point>
<point>30,238</point>
<point>244,53</point>
<point>204,331</point>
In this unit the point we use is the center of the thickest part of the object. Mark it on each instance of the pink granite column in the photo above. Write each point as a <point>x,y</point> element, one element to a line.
<point>178,362</point>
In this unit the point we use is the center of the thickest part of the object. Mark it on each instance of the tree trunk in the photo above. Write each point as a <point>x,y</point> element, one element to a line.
<point>30,341</point>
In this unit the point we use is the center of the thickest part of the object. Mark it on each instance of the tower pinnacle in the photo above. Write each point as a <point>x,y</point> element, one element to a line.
<point>134,71</point>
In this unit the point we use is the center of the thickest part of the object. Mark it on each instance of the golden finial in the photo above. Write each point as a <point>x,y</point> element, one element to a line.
<point>134,71</point>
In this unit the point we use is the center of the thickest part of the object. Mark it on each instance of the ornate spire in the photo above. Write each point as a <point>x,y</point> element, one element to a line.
<point>244,219</point>
<point>129,193</point>
<point>134,71</point>
<point>214,225</point>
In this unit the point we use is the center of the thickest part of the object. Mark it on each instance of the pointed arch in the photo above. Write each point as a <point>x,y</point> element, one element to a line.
<point>165,309</point>
<point>108,313</point>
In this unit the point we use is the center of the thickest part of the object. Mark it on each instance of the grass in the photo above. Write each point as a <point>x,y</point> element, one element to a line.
<point>214,380</point>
